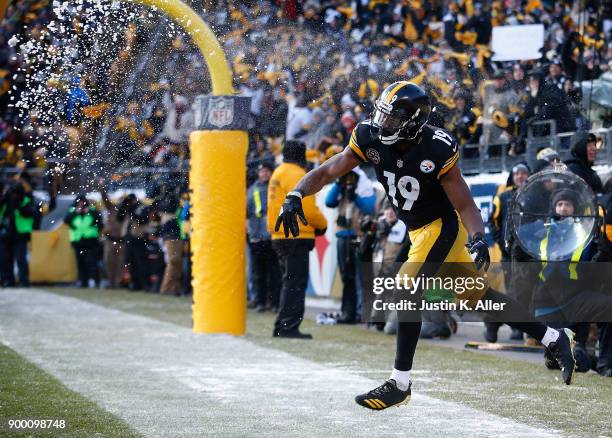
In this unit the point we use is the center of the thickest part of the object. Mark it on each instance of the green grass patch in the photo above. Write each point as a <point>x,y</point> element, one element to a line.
<point>523,391</point>
<point>27,392</point>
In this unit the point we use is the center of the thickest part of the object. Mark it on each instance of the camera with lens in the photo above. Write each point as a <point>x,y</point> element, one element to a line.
<point>348,183</point>
<point>383,228</point>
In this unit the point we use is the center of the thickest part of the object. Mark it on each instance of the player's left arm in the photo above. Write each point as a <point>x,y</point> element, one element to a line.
<point>460,196</point>
<point>447,152</point>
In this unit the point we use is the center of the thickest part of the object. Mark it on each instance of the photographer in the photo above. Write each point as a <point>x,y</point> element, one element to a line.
<point>170,232</point>
<point>114,239</point>
<point>17,213</point>
<point>265,267</point>
<point>85,223</point>
<point>137,230</point>
<point>604,255</point>
<point>353,195</point>
<point>498,222</point>
<point>382,242</point>
<point>391,233</point>
<point>568,290</point>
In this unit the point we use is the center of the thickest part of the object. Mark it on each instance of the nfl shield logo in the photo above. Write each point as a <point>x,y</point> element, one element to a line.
<point>220,112</point>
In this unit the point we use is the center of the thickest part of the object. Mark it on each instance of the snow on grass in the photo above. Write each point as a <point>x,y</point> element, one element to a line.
<point>493,383</point>
<point>163,380</point>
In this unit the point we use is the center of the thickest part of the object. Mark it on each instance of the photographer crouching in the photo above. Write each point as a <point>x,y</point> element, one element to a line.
<point>354,196</point>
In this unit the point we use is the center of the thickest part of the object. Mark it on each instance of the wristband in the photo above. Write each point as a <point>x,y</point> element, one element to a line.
<point>296,193</point>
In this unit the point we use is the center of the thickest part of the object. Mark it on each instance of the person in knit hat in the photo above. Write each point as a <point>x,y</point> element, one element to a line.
<point>584,152</point>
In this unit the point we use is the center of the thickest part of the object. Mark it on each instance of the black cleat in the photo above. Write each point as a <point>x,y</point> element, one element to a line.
<point>385,396</point>
<point>550,361</point>
<point>563,350</point>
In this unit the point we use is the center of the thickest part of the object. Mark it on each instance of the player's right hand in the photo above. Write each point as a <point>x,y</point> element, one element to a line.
<point>289,212</point>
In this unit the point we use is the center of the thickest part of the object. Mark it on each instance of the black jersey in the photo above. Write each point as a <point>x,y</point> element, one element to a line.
<point>412,179</point>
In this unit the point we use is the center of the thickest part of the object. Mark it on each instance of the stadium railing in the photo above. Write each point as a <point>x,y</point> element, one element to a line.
<point>475,159</point>
<point>495,158</point>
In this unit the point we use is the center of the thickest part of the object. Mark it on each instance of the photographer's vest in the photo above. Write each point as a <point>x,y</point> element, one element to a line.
<point>257,201</point>
<point>83,226</point>
<point>570,265</point>
<point>23,225</point>
<point>181,224</point>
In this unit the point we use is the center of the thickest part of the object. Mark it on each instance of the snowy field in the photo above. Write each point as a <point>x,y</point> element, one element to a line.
<point>165,381</point>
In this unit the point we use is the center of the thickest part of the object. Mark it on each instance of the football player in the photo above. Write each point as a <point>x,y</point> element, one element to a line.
<point>417,165</point>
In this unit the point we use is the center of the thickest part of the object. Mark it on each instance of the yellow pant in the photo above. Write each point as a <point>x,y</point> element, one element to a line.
<point>438,250</point>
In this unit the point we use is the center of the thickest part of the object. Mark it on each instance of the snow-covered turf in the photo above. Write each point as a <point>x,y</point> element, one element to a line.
<point>165,381</point>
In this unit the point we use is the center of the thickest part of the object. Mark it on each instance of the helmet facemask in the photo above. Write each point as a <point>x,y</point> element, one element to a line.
<point>394,125</point>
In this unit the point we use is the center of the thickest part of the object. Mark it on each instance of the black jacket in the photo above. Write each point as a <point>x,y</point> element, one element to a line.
<point>580,166</point>
<point>498,221</point>
<point>8,207</point>
<point>550,103</point>
<point>605,241</point>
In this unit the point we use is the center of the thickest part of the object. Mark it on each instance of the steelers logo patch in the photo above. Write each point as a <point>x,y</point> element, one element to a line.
<point>373,156</point>
<point>427,166</point>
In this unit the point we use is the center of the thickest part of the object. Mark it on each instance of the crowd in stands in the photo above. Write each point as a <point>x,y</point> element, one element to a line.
<point>343,56</point>
<point>312,70</point>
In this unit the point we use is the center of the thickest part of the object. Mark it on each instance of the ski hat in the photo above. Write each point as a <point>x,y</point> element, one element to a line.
<point>565,195</point>
<point>294,152</point>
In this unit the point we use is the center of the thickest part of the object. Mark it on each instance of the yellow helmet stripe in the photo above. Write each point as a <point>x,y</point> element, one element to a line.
<point>395,89</point>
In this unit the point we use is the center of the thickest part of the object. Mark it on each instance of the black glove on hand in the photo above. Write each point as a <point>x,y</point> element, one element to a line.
<point>478,246</point>
<point>290,210</point>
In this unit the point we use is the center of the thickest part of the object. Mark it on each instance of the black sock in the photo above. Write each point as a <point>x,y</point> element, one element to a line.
<point>407,338</point>
<point>528,323</point>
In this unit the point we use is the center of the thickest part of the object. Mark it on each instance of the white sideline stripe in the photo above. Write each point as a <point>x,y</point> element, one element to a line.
<point>165,381</point>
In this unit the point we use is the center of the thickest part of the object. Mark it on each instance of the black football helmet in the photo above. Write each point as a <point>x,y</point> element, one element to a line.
<point>400,112</point>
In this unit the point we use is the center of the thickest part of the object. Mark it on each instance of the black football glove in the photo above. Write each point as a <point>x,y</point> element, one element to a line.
<point>479,246</point>
<point>289,212</point>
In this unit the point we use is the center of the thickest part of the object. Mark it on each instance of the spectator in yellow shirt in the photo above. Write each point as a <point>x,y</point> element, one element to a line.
<point>292,252</point>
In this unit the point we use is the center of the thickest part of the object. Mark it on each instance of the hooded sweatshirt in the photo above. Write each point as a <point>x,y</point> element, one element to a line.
<point>580,166</point>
